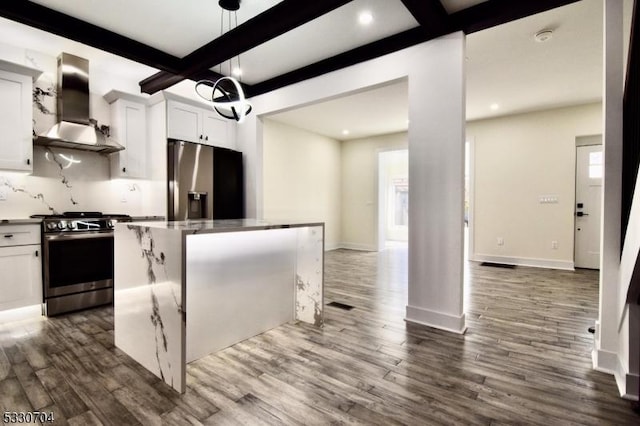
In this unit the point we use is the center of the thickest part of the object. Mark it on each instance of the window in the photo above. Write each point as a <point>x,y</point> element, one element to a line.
<point>595,165</point>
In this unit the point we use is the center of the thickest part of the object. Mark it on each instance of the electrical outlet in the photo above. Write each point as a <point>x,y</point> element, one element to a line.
<point>123,198</point>
<point>500,241</point>
<point>554,245</point>
<point>3,194</point>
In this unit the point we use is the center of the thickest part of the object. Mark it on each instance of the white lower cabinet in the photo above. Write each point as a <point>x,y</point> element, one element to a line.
<point>20,271</point>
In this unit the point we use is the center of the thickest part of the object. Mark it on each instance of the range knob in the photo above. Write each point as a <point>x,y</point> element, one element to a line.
<point>51,226</point>
<point>61,225</point>
<point>110,224</point>
<point>71,225</point>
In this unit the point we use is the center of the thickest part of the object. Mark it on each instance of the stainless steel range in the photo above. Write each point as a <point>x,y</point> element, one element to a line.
<point>77,262</point>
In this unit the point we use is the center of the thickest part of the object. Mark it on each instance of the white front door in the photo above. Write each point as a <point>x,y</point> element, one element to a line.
<point>589,171</point>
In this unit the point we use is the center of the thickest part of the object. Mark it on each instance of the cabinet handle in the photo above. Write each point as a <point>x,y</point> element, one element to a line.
<point>206,138</point>
<point>28,161</point>
<point>200,136</point>
<point>8,235</point>
<point>37,253</point>
<point>124,170</point>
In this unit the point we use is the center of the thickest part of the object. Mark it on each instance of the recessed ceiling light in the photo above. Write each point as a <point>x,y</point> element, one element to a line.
<point>542,36</point>
<point>495,107</point>
<point>365,18</point>
<point>237,71</point>
<point>345,132</point>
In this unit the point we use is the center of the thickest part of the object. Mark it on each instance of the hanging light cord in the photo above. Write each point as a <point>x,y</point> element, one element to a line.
<point>221,30</point>
<point>239,67</point>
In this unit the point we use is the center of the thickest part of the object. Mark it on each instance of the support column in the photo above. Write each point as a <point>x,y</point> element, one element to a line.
<point>605,354</point>
<point>436,178</point>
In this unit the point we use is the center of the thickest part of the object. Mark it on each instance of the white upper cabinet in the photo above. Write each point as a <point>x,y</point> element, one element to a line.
<point>16,122</point>
<point>216,130</point>
<point>195,124</point>
<point>129,128</point>
<point>184,122</point>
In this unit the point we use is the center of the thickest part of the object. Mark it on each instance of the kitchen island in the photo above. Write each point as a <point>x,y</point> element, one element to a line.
<point>186,289</point>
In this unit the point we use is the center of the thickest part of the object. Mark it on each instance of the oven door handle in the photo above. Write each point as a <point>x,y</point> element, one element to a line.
<point>82,236</point>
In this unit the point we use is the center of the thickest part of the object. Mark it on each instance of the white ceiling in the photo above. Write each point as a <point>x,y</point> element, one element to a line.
<point>505,65</point>
<point>374,112</point>
<point>333,33</point>
<point>175,27</point>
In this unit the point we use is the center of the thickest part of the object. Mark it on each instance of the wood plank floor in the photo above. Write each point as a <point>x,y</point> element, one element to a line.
<point>524,360</point>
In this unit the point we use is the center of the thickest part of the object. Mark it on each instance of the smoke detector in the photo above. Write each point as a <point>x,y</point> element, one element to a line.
<point>543,36</point>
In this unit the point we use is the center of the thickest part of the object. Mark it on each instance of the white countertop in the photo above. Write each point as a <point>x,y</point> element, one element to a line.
<point>20,221</point>
<point>227,225</point>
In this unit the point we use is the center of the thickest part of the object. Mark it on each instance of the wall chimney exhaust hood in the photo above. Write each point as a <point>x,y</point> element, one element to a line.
<point>74,128</point>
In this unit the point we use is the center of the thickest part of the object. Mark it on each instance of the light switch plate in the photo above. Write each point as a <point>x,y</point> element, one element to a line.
<point>548,199</point>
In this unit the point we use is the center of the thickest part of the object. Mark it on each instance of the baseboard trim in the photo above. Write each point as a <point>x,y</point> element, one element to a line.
<point>604,361</point>
<point>439,320</point>
<point>627,382</point>
<point>357,246</point>
<point>21,314</point>
<point>525,261</point>
<point>329,247</point>
<point>610,363</point>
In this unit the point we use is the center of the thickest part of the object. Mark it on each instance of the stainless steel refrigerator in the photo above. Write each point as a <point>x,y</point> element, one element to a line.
<point>204,182</point>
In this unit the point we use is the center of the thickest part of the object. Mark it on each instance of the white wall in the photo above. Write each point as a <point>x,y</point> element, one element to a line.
<point>360,188</point>
<point>302,177</point>
<point>518,158</point>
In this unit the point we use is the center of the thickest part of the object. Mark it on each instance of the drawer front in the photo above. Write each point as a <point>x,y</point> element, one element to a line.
<point>19,235</point>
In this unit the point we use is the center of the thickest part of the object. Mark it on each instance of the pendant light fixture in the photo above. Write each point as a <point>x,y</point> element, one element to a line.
<point>226,95</point>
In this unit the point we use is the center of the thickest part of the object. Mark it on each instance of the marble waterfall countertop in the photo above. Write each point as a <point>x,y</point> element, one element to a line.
<point>226,225</point>
<point>186,289</point>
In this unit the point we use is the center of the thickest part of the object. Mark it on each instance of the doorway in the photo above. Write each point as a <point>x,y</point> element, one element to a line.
<point>393,198</point>
<point>589,171</point>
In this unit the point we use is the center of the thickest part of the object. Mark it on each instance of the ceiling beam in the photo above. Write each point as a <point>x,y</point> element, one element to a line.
<point>352,57</point>
<point>473,19</point>
<point>430,14</point>
<point>279,19</point>
<point>497,12</point>
<point>58,23</point>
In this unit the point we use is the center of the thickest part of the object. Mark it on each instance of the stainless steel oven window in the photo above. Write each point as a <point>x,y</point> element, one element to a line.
<point>82,259</point>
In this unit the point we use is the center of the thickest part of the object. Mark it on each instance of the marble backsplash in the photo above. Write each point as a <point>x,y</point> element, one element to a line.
<point>69,180</point>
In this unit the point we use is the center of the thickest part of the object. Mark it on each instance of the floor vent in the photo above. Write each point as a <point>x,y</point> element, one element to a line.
<point>498,265</point>
<point>340,306</point>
